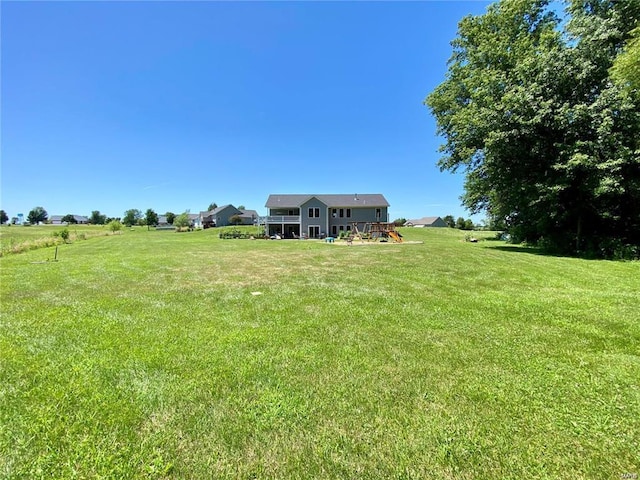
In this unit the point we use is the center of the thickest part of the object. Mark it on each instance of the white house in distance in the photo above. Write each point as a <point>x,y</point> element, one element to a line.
<point>426,222</point>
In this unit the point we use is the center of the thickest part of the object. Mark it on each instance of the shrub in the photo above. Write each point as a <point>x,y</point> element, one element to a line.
<point>63,234</point>
<point>115,226</point>
<point>241,232</point>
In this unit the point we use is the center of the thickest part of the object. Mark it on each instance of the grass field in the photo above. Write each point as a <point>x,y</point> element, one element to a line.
<point>18,238</point>
<point>164,355</point>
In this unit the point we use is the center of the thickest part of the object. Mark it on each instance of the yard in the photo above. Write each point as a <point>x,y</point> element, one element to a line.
<point>156,354</point>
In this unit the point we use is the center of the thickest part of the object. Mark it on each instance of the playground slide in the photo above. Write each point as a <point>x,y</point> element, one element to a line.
<point>395,236</point>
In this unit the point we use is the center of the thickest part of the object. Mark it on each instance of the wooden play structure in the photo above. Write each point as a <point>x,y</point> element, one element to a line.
<point>374,231</point>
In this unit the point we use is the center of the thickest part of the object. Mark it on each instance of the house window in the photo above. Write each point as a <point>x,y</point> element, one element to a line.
<point>348,228</point>
<point>334,230</point>
<point>341,227</point>
<point>334,213</point>
<point>378,213</point>
<point>341,212</point>
<point>314,212</point>
<point>348,213</point>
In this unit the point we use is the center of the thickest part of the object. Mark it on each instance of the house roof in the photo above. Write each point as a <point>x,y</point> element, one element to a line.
<point>249,213</point>
<point>422,221</point>
<point>78,218</point>
<point>215,211</point>
<point>330,200</point>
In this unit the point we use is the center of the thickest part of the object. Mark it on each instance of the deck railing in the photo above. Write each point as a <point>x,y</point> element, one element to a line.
<point>283,219</point>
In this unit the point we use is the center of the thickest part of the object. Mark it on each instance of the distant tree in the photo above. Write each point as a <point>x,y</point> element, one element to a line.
<point>468,224</point>
<point>37,215</point>
<point>398,222</point>
<point>241,207</point>
<point>495,223</point>
<point>131,217</point>
<point>450,221</point>
<point>69,218</point>
<point>460,223</point>
<point>182,220</point>
<point>3,217</point>
<point>151,217</point>
<point>235,219</point>
<point>115,226</point>
<point>170,217</point>
<point>212,206</point>
<point>97,218</point>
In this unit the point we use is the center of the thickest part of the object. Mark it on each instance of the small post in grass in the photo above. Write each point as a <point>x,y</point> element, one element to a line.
<point>55,256</point>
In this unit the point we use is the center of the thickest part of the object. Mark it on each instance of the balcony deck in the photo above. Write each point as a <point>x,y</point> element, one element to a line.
<point>282,219</point>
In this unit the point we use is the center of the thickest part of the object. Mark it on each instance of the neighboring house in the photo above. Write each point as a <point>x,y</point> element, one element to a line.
<point>249,217</point>
<point>57,219</point>
<point>317,216</point>
<point>194,218</point>
<point>221,216</point>
<point>426,222</point>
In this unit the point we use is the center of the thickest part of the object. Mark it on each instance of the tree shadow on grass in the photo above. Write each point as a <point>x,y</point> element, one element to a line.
<point>541,252</point>
<point>529,250</point>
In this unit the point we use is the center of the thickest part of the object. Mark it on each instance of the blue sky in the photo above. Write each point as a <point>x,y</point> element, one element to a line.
<point>174,105</point>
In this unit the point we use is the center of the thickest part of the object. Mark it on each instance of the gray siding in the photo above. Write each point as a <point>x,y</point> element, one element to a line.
<point>307,221</point>
<point>222,216</point>
<point>361,216</point>
<point>361,208</point>
<point>439,223</point>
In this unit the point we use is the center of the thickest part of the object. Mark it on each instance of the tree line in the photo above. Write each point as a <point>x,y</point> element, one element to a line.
<point>542,114</point>
<point>130,218</point>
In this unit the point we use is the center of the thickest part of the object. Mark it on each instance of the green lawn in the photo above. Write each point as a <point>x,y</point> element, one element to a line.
<point>152,355</point>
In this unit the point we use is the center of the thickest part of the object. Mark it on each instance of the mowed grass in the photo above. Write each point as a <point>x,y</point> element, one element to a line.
<point>152,355</point>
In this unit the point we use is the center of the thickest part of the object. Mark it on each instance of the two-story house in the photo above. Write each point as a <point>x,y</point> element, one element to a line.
<point>317,216</point>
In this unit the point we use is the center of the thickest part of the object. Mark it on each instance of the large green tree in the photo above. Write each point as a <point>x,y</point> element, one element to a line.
<point>131,217</point>
<point>450,221</point>
<point>548,143</point>
<point>3,217</point>
<point>37,215</point>
<point>151,217</point>
<point>97,218</point>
